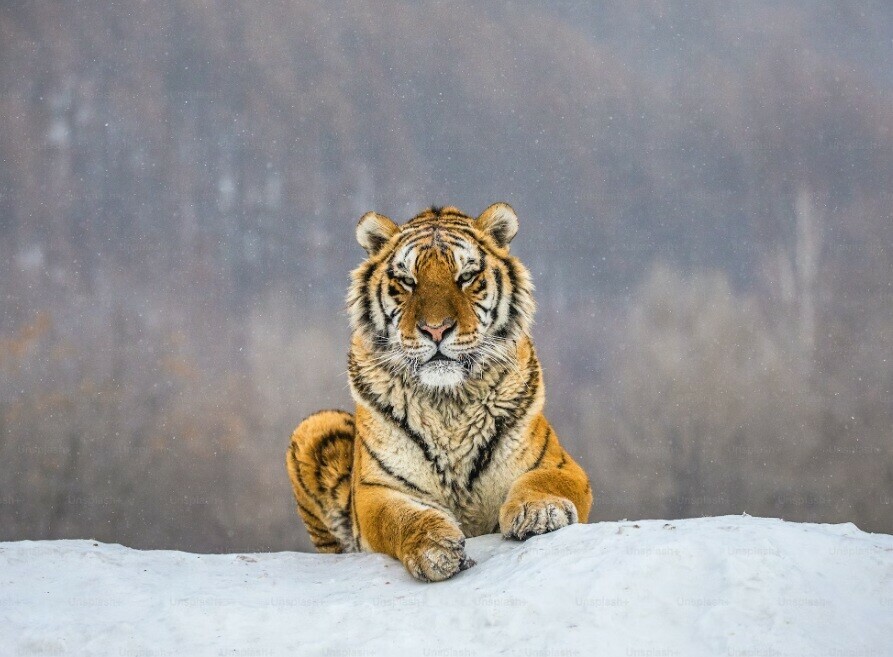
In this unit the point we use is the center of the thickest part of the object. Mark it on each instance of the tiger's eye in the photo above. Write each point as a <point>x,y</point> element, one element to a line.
<point>405,280</point>
<point>466,277</point>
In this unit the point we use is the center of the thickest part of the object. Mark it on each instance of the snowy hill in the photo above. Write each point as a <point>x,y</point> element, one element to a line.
<point>714,586</point>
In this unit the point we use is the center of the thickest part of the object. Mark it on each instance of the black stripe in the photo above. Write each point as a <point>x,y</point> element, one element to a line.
<point>340,480</point>
<point>357,533</point>
<point>389,412</point>
<point>443,218</point>
<point>427,219</point>
<point>481,282</point>
<point>477,463</point>
<point>423,230</point>
<point>380,300</point>
<point>539,459</point>
<point>506,328</point>
<point>303,509</point>
<point>297,469</point>
<point>379,484</point>
<point>340,525</point>
<point>455,214</point>
<point>412,240</point>
<point>403,480</point>
<point>315,520</point>
<point>497,272</point>
<point>467,233</point>
<point>365,301</point>
<point>326,544</point>
<point>451,234</point>
<point>504,424</point>
<point>327,439</point>
<point>449,239</point>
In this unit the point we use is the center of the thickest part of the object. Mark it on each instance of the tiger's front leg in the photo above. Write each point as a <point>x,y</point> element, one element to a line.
<point>425,539</point>
<point>552,494</point>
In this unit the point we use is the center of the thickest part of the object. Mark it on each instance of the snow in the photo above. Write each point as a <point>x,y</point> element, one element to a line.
<point>733,586</point>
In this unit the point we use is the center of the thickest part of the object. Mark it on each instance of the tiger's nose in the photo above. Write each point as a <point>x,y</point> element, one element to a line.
<point>437,332</point>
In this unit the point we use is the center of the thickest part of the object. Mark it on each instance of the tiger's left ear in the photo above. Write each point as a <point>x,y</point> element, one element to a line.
<point>374,230</point>
<point>500,222</point>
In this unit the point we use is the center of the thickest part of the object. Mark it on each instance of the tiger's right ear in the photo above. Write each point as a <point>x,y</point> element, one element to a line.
<point>500,222</point>
<point>374,230</point>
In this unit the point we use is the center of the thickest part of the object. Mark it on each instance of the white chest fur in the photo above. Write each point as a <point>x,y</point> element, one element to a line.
<point>462,449</point>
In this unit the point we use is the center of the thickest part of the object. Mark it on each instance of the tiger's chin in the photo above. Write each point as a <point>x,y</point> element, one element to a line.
<point>442,374</point>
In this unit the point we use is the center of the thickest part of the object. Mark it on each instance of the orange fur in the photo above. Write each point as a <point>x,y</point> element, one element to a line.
<point>437,450</point>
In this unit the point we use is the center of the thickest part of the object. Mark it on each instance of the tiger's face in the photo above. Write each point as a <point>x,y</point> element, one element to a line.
<point>440,297</point>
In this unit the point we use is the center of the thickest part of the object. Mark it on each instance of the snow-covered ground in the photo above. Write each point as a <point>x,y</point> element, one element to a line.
<point>730,586</point>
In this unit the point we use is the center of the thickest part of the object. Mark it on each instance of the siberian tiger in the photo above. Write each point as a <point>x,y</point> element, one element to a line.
<point>448,440</point>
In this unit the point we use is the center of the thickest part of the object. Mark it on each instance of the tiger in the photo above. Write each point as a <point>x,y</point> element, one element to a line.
<point>448,440</point>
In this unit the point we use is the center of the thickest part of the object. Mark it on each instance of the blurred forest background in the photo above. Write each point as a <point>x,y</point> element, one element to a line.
<point>705,199</point>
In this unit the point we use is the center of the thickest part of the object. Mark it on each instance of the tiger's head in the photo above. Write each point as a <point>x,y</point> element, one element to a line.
<point>440,298</point>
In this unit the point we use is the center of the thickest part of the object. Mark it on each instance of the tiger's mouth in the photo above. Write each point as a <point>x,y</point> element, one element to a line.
<point>442,372</point>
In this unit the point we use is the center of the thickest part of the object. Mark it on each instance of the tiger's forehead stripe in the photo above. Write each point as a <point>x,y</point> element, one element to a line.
<point>409,231</point>
<point>442,229</point>
<point>448,224</point>
<point>405,257</point>
<point>462,251</point>
<point>434,234</point>
<point>440,214</point>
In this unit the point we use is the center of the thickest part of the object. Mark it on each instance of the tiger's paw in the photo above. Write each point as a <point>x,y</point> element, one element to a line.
<point>436,555</point>
<point>523,520</point>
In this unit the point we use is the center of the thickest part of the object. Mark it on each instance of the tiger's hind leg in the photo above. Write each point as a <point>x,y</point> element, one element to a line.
<point>319,462</point>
